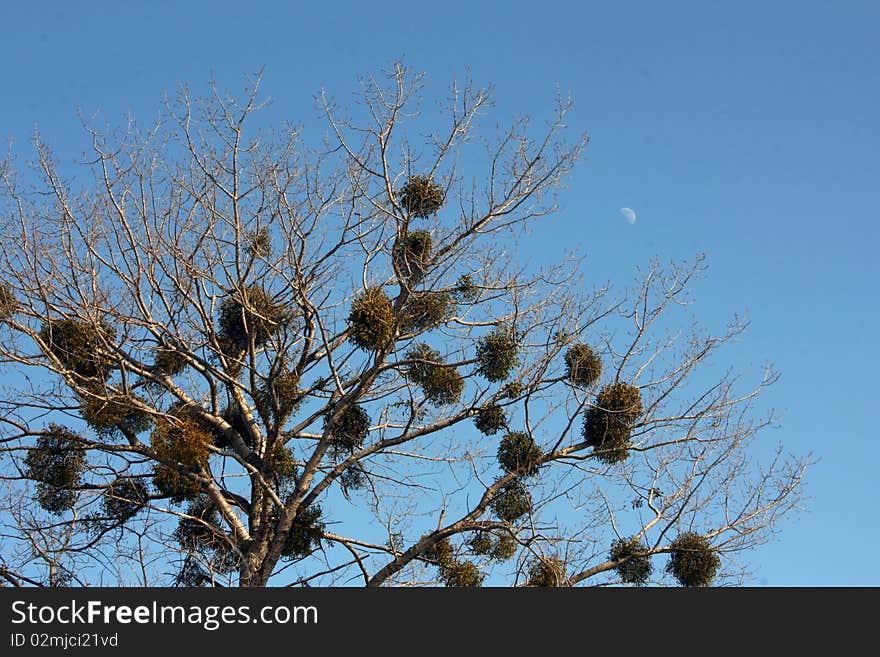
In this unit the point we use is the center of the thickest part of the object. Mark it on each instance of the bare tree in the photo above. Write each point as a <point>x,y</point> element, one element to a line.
<point>232,358</point>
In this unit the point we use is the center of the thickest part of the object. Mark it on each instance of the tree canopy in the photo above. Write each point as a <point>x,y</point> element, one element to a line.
<point>234,356</point>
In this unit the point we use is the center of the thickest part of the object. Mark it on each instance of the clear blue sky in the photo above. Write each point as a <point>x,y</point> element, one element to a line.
<point>747,130</point>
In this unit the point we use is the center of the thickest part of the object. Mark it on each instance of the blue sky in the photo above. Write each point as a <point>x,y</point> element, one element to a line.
<point>744,130</point>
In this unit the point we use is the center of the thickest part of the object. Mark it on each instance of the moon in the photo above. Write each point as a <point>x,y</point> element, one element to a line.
<point>628,214</point>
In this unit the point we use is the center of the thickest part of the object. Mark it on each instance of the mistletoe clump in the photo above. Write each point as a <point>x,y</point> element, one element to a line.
<point>424,361</point>
<point>348,429</point>
<point>230,414</point>
<point>199,528</point>
<point>124,497</point>
<point>490,420</point>
<point>191,574</point>
<point>512,501</point>
<point>497,354</point>
<point>412,253</point>
<point>278,396</point>
<point>258,243</point>
<point>200,531</point>
<point>425,310</point>
<point>115,415</point>
<point>583,366</point>
<point>546,572</point>
<point>481,542</point>
<point>8,303</point>
<point>608,424</point>
<point>518,453</point>
<point>465,290</point>
<point>454,572</point>
<point>498,548</point>
<point>56,463</point>
<point>249,314</point>
<point>235,418</point>
<point>441,552</point>
<point>169,361</point>
<point>462,574</point>
<point>305,534</point>
<point>284,467</point>
<point>512,390</point>
<point>440,383</point>
<point>353,478</point>
<point>79,346</point>
<point>621,400</point>
<point>693,561</point>
<point>371,320</point>
<point>635,566</point>
<point>505,547</point>
<point>179,442</point>
<point>443,385</point>
<point>421,196</point>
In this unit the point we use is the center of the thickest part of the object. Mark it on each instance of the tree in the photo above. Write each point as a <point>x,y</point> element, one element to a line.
<point>231,357</point>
